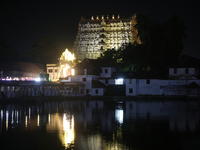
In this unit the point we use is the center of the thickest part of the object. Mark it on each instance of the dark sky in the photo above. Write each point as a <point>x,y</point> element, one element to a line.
<point>23,23</point>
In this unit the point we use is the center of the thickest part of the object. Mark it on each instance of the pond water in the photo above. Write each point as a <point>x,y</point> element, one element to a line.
<point>100,125</point>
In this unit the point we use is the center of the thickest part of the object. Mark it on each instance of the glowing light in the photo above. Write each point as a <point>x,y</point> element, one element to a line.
<point>119,81</point>
<point>1,115</point>
<point>7,115</point>
<point>65,126</point>
<point>119,115</point>
<point>38,120</point>
<point>113,17</point>
<point>37,79</point>
<point>26,121</point>
<point>49,118</point>
<point>68,56</point>
<point>73,72</point>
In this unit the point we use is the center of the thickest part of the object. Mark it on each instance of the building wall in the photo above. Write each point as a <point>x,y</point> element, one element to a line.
<point>181,73</point>
<point>87,79</point>
<point>97,35</point>
<point>99,93</point>
<point>149,86</point>
<point>53,73</point>
<point>131,87</point>
<point>158,87</point>
<point>107,73</point>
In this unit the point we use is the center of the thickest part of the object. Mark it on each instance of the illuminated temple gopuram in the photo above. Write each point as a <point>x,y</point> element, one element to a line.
<point>97,35</point>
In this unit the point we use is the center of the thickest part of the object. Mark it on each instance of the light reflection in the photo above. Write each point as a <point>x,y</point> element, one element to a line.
<point>1,115</point>
<point>119,115</point>
<point>64,125</point>
<point>12,117</point>
<point>49,118</point>
<point>38,120</point>
<point>7,115</point>
<point>29,115</point>
<point>17,116</point>
<point>26,121</point>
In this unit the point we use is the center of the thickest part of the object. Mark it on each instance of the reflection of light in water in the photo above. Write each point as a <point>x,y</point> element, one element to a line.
<point>38,120</point>
<point>49,118</point>
<point>26,121</point>
<point>119,115</point>
<point>66,133</point>
<point>17,116</point>
<point>1,115</point>
<point>12,117</point>
<point>65,127</point>
<point>29,115</point>
<point>7,114</point>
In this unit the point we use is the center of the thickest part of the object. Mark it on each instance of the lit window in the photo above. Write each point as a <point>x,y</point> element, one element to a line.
<point>119,81</point>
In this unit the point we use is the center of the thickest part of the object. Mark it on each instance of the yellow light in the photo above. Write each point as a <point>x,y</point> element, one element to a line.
<point>38,120</point>
<point>65,69</point>
<point>67,55</point>
<point>73,72</point>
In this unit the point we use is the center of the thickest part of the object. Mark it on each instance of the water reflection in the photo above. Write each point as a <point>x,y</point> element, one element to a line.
<point>93,125</point>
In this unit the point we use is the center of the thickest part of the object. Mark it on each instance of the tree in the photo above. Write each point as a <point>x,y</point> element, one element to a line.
<point>7,53</point>
<point>161,45</point>
<point>44,51</point>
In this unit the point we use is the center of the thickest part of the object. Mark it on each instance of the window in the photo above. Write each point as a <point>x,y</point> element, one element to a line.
<point>55,70</point>
<point>186,71</point>
<point>175,70</point>
<point>106,70</point>
<point>148,81</point>
<point>100,70</point>
<point>96,91</point>
<point>50,70</point>
<point>119,81</point>
<point>85,71</point>
<point>130,81</point>
<point>106,81</point>
<point>87,91</point>
<point>101,48</point>
<point>84,79</point>
<point>130,90</point>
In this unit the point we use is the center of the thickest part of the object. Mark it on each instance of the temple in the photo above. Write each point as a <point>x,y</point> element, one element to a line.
<point>97,35</point>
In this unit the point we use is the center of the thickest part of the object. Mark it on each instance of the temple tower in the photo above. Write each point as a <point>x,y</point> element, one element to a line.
<point>96,35</point>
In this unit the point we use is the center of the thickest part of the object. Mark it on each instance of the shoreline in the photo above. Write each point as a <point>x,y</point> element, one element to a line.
<point>104,98</point>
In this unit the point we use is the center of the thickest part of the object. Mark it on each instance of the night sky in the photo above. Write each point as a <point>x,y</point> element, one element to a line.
<point>23,23</point>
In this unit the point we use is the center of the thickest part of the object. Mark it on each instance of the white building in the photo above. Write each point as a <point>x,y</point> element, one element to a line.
<point>100,78</point>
